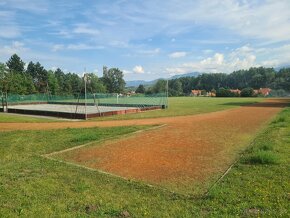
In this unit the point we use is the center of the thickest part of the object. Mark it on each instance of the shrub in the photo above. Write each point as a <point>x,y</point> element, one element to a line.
<point>247,92</point>
<point>222,92</point>
<point>266,147</point>
<point>261,157</point>
<point>279,120</point>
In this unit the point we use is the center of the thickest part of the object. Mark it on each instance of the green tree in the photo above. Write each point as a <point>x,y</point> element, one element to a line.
<point>247,92</point>
<point>113,80</point>
<point>19,84</point>
<point>159,86</point>
<point>15,64</point>
<point>175,88</point>
<point>140,89</point>
<point>94,84</point>
<point>222,92</point>
<point>53,87</point>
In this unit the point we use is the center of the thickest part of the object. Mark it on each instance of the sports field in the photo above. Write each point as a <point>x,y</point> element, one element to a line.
<point>164,166</point>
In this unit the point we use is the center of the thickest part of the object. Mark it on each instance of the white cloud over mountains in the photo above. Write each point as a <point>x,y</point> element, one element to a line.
<point>138,69</point>
<point>217,63</point>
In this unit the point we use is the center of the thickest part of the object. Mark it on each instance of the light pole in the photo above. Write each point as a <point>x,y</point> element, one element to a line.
<point>167,93</point>
<point>85,79</point>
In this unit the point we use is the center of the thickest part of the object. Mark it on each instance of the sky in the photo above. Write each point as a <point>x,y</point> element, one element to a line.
<point>147,39</point>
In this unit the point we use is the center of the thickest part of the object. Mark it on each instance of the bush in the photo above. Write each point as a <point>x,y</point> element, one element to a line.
<point>222,92</point>
<point>261,157</point>
<point>279,120</point>
<point>247,92</point>
<point>266,147</point>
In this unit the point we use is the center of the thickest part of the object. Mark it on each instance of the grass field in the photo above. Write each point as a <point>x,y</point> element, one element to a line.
<point>179,106</point>
<point>31,185</point>
<point>15,118</point>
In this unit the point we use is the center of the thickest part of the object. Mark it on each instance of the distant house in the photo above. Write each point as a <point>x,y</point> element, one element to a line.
<point>202,93</point>
<point>196,92</point>
<point>211,94</point>
<point>130,93</point>
<point>263,91</point>
<point>236,91</point>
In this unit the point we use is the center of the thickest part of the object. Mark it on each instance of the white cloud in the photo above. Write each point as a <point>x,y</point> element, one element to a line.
<point>138,69</point>
<point>53,68</point>
<point>80,46</point>
<point>126,72</point>
<point>28,5</point>
<point>8,27</point>
<point>118,44</point>
<point>16,47</point>
<point>85,29</point>
<point>57,47</point>
<point>178,54</point>
<point>207,51</point>
<point>149,52</point>
<point>177,70</point>
<point>9,32</point>
<point>217,63</point>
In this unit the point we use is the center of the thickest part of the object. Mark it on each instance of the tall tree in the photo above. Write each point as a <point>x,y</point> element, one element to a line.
<point>140,89</point>
<point>53,87</point>
<point>175,88</point>
<point>159,86</point>
<point>94,84</point>
<point>15,64</point>
<point>113,80</point>
<point>40,77</point>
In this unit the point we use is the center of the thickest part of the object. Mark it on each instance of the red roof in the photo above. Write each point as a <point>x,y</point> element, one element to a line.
<point>196,91</point>
<point>235,91</point>
<point>265,91</point>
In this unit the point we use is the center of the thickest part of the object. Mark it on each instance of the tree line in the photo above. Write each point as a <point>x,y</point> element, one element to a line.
<point>253,78</point>
<point>15,78</point>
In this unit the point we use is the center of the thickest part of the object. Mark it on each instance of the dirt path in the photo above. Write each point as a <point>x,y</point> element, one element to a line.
<point>189,150</point>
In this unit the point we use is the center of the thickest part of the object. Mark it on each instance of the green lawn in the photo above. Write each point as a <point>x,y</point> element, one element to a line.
<point>179,106</point>
<point>15,118</point>
<point>32,186</point>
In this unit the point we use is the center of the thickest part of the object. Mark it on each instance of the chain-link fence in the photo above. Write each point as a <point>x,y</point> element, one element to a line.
<point>92,104</point>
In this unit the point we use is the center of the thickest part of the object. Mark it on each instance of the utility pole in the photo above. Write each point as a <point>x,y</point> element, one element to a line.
<point>167,93</point>
<point>85,79</point>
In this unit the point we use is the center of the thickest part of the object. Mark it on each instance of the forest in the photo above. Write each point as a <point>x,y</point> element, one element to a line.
<point>15,78</point>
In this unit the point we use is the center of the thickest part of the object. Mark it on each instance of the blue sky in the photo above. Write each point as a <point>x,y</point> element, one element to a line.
<point>147,39</point>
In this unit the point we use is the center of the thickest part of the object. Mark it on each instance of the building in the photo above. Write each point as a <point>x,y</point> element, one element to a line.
<point>202,93</point>
<point>196,92</point>
<point>263,91</point>
<point>236,91</point>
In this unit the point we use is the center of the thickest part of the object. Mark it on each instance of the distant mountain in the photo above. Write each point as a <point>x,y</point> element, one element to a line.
<point>282,66</point>
<point>136,83</point>
<point>193,74</point>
